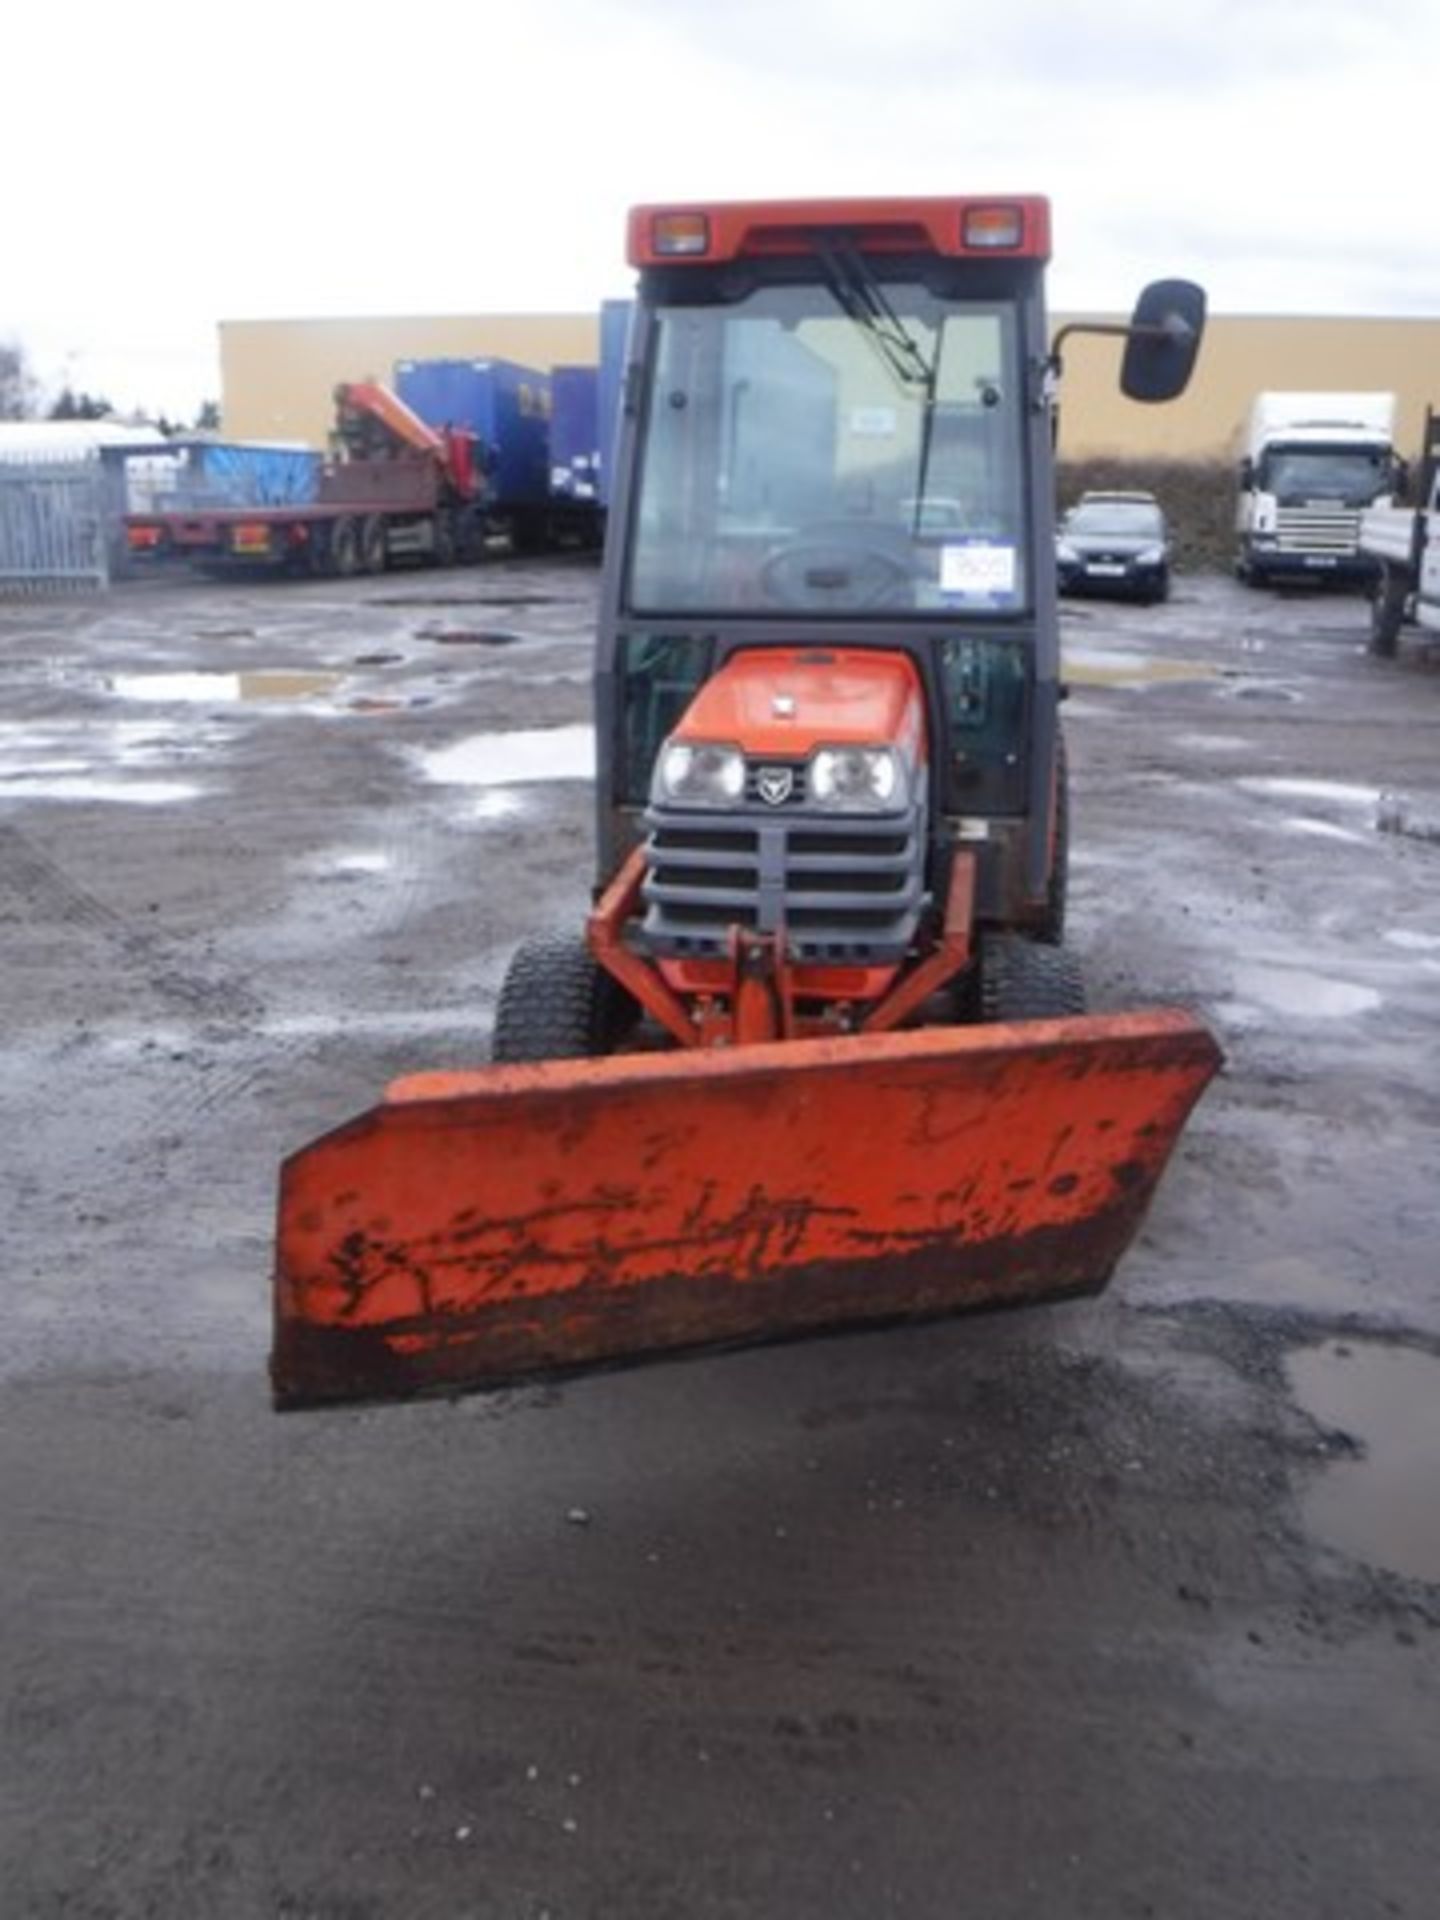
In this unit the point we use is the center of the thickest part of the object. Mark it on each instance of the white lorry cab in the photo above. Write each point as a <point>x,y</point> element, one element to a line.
<point>1312,463</point>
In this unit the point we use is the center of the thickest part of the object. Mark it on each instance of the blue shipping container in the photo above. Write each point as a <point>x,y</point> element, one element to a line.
<point>506,406</point>
<point>614,336</point>
<point>574,433</point>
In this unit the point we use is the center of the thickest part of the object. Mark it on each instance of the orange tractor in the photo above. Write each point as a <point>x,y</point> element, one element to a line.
<point>818,1056</point>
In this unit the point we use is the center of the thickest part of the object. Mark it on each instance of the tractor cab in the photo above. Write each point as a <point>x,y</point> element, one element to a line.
<point>837,434</point>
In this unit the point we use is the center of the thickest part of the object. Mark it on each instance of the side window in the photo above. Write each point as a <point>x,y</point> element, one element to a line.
<point>659,676</point>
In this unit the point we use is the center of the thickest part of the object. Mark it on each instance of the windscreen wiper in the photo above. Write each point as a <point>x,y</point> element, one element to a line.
<point>863,299</point>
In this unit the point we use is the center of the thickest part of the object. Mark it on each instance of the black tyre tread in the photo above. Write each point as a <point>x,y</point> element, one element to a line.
<point>344,549</point>
<point>1026,980</point>
<point>373,545</point>
<point>1387,612</point>
<point>1052,928</point>
<point>556,1003</point>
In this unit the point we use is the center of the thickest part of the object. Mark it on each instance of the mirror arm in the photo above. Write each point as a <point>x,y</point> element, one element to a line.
<point>1118,329</point>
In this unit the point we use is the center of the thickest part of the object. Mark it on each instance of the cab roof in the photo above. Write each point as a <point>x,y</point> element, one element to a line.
<point>992,226</point>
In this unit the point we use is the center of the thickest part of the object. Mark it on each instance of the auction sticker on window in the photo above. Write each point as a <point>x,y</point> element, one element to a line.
<point>872,423</point>
<point>977,567</point>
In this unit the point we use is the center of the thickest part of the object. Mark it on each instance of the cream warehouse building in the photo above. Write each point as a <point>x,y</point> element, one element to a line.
<point>278,375</point>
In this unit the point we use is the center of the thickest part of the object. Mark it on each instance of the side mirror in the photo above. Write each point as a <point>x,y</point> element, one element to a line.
<point>1247,474</point>
<point>1400,480</point>
<point>1164,338</point>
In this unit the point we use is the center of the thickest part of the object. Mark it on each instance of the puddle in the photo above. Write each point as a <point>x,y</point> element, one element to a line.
<point>262,685</point>
<point>1342,793</point>
<point>388,702</point>
<point>1086,666</point>
<point>1322,830</point>
<point>1381,1508</point>
<point>478,600</point>
<point>514,759</point>
<point>1210,742</point>
<point>500,803</point>
<point>470,636</point>
<point>1260,690</point>
<point>349,865</point>
<point>1410,942</point>
<point>1296,991</point>
<point>135,793</point>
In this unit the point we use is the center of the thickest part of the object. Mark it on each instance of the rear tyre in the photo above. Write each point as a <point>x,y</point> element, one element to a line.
<point>374,547</point>
<point>1387,612</point>
<point>444,548</point>
<point>344,549</point>
<point>1022,980</point>
<point>557,1003</point>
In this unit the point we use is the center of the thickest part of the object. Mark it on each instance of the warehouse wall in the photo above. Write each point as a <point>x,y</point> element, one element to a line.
<point>1241,355</point>
<point>278,375</point>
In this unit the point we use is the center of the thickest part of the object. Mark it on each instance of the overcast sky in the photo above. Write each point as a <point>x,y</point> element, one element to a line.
<point>168,164</point>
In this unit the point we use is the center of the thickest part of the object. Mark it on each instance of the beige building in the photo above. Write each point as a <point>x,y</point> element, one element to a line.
<point>1242,355</point>
<point>278,375</point>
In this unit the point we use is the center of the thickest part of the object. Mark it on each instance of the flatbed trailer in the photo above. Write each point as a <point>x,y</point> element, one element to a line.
<point>396,489</point>
<point>332,538</point>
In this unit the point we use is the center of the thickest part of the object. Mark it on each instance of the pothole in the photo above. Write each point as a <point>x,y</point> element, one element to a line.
<point>470,636</point>
<point>1379,1507</point>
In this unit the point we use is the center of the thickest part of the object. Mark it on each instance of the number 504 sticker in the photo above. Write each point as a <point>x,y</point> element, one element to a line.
<point>977,567</point>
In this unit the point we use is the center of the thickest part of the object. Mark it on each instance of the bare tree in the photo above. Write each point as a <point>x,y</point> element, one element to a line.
<point>19,391</point>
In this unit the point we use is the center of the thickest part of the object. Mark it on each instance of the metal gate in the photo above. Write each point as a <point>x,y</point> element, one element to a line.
<point>53,524</point>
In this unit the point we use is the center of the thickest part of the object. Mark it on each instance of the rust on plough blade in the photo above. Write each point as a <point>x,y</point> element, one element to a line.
<point>479,1228</point>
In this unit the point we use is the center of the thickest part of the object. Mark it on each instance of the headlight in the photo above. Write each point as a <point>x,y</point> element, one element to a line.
<point>857,779</point>
<point>1065,553</point>
<point>1150,556</point>
<point>700,775</point>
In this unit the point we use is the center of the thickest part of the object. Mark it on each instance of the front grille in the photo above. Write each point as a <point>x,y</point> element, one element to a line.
<point>756,772</point>
<point>846,890</point>
<point>1316,530</point>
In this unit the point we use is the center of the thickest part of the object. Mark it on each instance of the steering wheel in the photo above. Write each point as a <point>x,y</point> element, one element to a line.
<point>840,564</point>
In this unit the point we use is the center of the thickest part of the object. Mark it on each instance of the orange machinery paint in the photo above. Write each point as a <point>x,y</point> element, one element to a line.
<point>783,703</point>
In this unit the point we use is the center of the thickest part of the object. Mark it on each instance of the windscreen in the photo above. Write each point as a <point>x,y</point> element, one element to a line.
<point>850,448</point>
<point>1132,518</point>
<point>1352,476</point>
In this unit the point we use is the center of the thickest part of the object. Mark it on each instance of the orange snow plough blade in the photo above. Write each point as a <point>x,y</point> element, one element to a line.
<point>477,1229</point>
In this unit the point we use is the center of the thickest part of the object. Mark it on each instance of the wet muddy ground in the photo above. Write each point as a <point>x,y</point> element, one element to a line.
<point>1125,1608</point>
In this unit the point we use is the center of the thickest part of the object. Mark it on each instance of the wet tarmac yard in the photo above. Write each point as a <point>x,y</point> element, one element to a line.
<point>1129,1607</point>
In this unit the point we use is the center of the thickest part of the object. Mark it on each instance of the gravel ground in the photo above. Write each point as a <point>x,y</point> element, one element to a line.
<point>1124,1608</point>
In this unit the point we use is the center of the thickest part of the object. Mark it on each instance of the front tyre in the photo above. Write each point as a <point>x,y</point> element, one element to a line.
<point>1023,980</point>
<point>1052,928</point>
<point>558,1003</point>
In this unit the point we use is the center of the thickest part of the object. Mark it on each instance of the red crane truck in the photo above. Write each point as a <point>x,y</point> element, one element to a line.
<point>394,488</point>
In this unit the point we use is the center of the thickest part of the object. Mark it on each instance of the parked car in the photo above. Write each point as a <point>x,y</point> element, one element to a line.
<point>1114,543</point>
